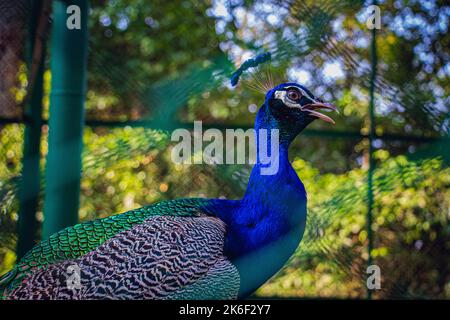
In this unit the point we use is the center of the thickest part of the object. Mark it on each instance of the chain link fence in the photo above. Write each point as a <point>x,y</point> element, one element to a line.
<point>141,89</point>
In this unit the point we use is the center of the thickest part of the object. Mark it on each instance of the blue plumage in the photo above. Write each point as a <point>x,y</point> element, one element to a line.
<point>267,224</point>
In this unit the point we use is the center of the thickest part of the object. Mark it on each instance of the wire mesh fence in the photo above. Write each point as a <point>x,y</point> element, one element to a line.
<point>149,74</point>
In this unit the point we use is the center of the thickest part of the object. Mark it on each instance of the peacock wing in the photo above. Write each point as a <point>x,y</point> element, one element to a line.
<point>78,240</point>
<point>166,257</point>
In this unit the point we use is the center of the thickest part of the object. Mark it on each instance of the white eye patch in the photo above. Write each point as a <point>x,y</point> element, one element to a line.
<point>303,92</point>
<point>282,95</point>
<point>288,102</point>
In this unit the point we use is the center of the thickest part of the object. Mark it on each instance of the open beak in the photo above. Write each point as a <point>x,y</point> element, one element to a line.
<point>313,107</point>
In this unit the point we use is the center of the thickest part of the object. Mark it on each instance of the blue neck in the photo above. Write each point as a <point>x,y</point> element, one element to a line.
<point>265,227</point>
<point>273,199</point>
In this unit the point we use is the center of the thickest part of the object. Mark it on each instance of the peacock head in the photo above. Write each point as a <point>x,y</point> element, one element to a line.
<point>290,107</point>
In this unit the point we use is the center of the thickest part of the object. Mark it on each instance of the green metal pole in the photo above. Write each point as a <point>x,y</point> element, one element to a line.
<point>67,97</point>
<point>372,136</point>
<point>30,183</point>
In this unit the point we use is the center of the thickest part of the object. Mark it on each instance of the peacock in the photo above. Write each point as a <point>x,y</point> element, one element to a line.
<point>185,248</point>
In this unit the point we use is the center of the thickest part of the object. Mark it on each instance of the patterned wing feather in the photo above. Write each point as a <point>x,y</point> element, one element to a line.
<point>166,257</point>
<point>222,282</point>
<point>78,240</point>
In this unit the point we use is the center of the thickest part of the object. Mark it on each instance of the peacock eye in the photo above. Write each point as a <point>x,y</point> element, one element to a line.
<point>293,94</point>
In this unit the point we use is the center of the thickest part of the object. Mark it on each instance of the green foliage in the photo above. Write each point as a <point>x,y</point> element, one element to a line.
<point>10,155</point>
<point>411,229</point>
<point>137,43</point>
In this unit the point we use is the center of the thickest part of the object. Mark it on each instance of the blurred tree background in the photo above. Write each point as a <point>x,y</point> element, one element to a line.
<point>154,65</point>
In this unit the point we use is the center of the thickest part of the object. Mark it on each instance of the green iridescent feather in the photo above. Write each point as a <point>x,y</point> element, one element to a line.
<point>76,241</point>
